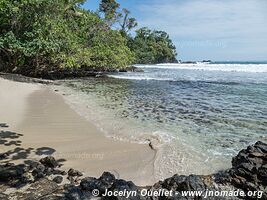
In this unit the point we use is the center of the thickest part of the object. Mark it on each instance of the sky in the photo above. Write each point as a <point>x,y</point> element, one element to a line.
<point>218,30</point>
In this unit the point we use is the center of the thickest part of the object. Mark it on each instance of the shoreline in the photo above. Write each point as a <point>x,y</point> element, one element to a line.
<point>48,124</point>
<point>39,157</point>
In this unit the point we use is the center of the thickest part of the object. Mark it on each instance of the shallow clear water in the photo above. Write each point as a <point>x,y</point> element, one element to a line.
<point>204,112</point>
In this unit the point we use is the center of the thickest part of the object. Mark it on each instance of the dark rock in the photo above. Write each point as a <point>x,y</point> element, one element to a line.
<point>33,164</point>
<point>37,174</point>
<point>262,146</point>
<point>196,183</point>
<point>90,183</point>
<point>71,179</point>
<point>249,168</point>
<point>38,189</point>
<point>3,125</point>
<point>58,172</point>
<point>104,183</point>
<point>262,174</point>
<point>3,156</point>
<point>12,172</point>
<point>108,179</point>
<point>53,197</point>
<point>49,161</point>
<point>63,173</point>
<point>122,70</point>
<point>3,196</point>
<point>58,179</point>
<point>248,173</point>
<point>189,62</point>
<point>251,186</point>
<point>48,171</point>
<point>40,168</point>
<point>40,175</point>
<point>76,193</point>
<point>184,183</point>
<point>173,182</point>
<point>131,69</point>
<point>26,178</point>
<point>120,185</point>
<point>39,171</point>
<point>9,164</point>
<point>238,181</point>
<point>251,156</point>
<point>73,172</point>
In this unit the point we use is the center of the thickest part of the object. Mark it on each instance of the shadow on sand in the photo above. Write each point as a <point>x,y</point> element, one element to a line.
<point>12,139</point>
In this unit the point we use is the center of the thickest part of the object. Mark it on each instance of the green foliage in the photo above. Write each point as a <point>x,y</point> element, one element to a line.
<point>37,36</point>
<point>109,9</point>
<point>152,47</point>
<point>108,45</point>
<point>128,23</point>
<point>40,36</point>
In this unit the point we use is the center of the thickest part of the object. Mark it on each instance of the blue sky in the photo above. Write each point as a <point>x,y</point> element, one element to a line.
<point>220,30</point>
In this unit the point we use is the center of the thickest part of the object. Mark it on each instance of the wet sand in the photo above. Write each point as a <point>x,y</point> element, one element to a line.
<point>50,127</point>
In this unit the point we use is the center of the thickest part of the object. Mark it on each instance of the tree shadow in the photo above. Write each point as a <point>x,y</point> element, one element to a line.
<point>19,153</point>
<point>17,162</point>
<point>3,125</point>
<point>44,151</point>
<point>9,138</point>
<point>61,161</point>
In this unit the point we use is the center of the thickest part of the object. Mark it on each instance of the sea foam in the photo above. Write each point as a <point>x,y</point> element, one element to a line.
<point>253,68</point>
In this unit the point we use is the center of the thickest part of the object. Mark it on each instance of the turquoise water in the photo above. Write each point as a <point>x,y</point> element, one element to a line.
<point>201,114</point>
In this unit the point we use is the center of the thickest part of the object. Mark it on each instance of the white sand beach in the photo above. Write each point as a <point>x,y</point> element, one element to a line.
<point>48,126</point>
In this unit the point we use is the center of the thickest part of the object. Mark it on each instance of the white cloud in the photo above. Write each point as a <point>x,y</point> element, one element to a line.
<point>238,23</point>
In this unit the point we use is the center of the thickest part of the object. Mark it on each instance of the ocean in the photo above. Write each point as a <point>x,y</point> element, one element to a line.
<point>197,116</point>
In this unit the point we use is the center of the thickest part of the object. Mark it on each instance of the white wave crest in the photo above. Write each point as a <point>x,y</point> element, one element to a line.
<point>254,68</point>
<point>139,78</point>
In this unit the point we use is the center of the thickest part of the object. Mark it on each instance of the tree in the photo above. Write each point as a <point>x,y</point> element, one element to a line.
<point>109,9</point>
<point>152,47</point>
<point>128,23</point>
<point>42,36</point>
<point>39,36</point>
<point>110,51</point>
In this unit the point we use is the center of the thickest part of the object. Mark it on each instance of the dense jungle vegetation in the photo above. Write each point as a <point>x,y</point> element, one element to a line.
<point>42,36</point>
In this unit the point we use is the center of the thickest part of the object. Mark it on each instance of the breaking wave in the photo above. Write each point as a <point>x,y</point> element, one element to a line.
<point>253,68</point>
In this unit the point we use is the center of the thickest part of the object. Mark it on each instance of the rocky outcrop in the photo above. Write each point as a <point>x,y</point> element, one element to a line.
<point>131,69</point>
<point>44,77</point>
<point>26,79</point>
<point>73,173</point>
<point>49,162</point>
<point>249,171</point>
<point>40,180</point>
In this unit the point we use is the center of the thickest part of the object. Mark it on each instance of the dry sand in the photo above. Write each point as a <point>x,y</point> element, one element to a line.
<point>49,126</point>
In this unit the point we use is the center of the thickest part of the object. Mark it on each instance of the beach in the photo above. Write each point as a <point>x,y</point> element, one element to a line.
<point>149,100</point>
<point>75,138</point>
<point>43,124</point>
<point>142,127</point>
<point>197,116</point>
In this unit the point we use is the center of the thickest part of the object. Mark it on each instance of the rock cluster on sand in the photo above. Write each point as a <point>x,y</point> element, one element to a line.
<point>43,180</point>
